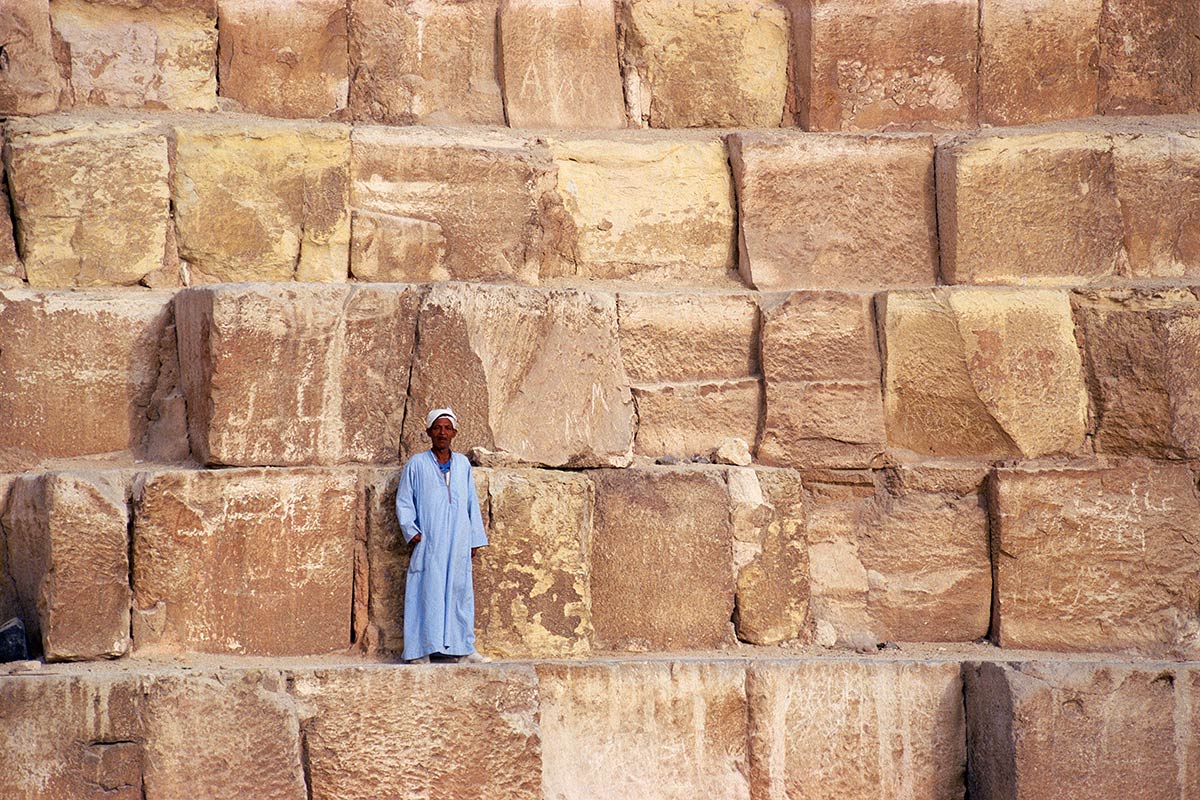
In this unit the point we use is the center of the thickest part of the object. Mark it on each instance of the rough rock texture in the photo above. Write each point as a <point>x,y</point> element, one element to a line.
<point>662,573</point>
<point>396,249</point>
<point>12,271</point>
<point>1029,209</point>
<point>906,65</point>
<point>1080,731</point>
<point>705,63</point>
<point>1097,559</point>
<point>532,582</point>
<point>559,64</point>
<point>692,419</point>
<point>440,732</point>
<point>91,200</point>
<point>501,341</point>
<point>68,555</point>
<point>678,337</point>
<point>30,81</point>
<point>820,366</point>
<point>770,554</point>
<point>1038,60</point>
<point>140,53</point>
<point>284,58</point>
<point>901,555</point>
<point>835,212</point>
<point>1158,186</point>
<point>1149,57</point>
<point>340,359</point>
<point>667,730</point>
<point>261,200</point>
<point>983,372</point>
<point>247,561</point>
<point>87,376</point>
<point>419,62</point>
<point>842,729</point>
<point>652,210</point>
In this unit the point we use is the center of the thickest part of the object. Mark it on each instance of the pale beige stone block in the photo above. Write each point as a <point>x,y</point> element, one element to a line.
<point>693,419</point>
<point>31,82</point>
<point>688,336</point>
<point>388,248</point>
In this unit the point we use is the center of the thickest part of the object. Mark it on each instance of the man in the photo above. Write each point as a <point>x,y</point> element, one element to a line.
<point>439,515</point>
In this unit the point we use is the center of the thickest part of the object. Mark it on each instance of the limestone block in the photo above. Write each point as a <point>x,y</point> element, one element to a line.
<point>91,200</point>
<point>770,553</point>
<point>1077,731</point>
<point>532,587</point>
<point>83,380</point>
<point>140,53</point>
<point>683,420</point>
<point>337,395</point>
<point>559,64</point>
<point>419,62</point>
<point>1037,208</point>
<point>823,729</point>
<point>686,336</point>
<point>1149,57</point>
<point>653,210</point>
<point>481,349</point>
<point>1038,60</point>
<point>284,59</point>
<point>708,63</point>
<point>30,80</point>
<point>905,65</point>
<point>439,732</point>
<point>821,374</point>
<point>835,212</point>
<point>1097,559</point>
<point>1158,186</point>
<point>670,730</point>
<point>983,372</point>
<point>260,200</point>
<point>662,572</point>
<point>246,561</point>
<point>396,249</point>
<point>902,556</point>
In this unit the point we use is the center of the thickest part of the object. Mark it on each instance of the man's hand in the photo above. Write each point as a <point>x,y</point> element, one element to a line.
<point>415,539</point>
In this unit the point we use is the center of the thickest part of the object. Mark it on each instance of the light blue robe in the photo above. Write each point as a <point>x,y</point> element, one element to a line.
<point>439,598</point>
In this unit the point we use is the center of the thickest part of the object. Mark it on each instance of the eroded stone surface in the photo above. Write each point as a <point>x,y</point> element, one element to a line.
<point>30,81</point>
<point>683,420</point>
<point>678,337</point>
<point>388,248</point>
<point>1149,57</point>
<point>1158,186</point>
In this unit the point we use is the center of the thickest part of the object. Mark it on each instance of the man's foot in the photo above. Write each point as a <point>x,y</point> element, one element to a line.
<point>421,660</point>
<point>475,658</point>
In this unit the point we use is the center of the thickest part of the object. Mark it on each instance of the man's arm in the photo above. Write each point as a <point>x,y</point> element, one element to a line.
<point>406,506</point>
<point>474,516</point>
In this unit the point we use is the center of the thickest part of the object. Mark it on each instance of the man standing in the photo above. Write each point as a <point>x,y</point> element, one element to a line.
<point>438,511</point>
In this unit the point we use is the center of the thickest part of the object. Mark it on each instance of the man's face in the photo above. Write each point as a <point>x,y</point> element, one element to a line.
<point>441,433</point>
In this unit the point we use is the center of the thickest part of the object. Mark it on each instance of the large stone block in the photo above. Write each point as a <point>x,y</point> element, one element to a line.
<point>419,62</point>
<point>559,64</point>
<point>247,561</point>
<point>1097,559</point>
<point>1031,209</point>
<point>284,59</point>
<point>1158,187</point>
<point>983,372</point>
<point>683,420</point>
<point>140,53</point>
<point>481,348</point>
<point>825,729</point>
<point>441,732</point>
<point>674,337</point>
<point>662,568</point>
<point>835,212</point>
<point>708,63</point>
<point>1149,57</point>
<point>259,200</point>
<point>1079,731</point>
<point>905,65</point>
<point>901,556</point>
<point>30,79</point>
<point>343,355</point>
<point>670,730</point>
<point>91,200</point>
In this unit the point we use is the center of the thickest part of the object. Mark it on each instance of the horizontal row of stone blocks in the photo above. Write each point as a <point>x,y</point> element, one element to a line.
<point>824,64</point>
<point>800,729</point>
<point>1097,557</point>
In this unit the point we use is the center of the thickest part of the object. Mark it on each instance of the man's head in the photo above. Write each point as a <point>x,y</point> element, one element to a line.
<point>442,425</point>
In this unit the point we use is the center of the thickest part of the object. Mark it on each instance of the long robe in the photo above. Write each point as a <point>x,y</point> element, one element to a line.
<point>439,598</point>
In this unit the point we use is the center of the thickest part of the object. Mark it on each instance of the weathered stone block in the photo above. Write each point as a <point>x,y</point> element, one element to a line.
<point>835,212</point>
<point>284,59</point>
<point>634,730</point>
<point>478,347</point>
<point>847,729</point>
<point>248,561</point>
<point>259,200</point>
<point>1097,559</point>
<point>419,62</point>
<point>558,64</point>
<point>662,573</point>
<point>690,419</point>
<point>30,80</point>
<point>440,732</point>
<point>396,249</point>
<point>678,336</point>
<point>1149,57</point>
<point>344,354</point>
<point>1158,187</point>
<point>12,271</point>
<point>983,372</point>
<point>1037,208</point>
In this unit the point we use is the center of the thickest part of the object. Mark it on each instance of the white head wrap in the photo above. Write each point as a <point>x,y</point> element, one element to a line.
<point>433,416</point>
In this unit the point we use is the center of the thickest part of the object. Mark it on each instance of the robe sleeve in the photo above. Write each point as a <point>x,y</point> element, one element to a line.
<point>406,505</point>
<point>478,535</point>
